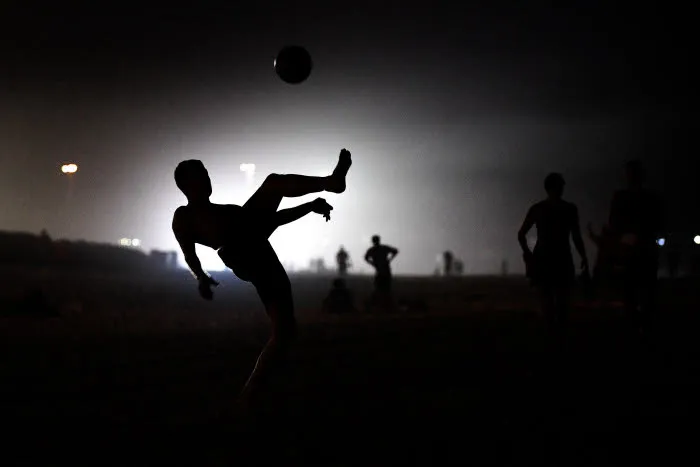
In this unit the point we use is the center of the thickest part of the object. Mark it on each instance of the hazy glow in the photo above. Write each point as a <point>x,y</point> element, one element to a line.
<point>296,244</point>
<point>135,242</point>
<point>69,168</point>
<point>661,242</point>
<point>697,239</point>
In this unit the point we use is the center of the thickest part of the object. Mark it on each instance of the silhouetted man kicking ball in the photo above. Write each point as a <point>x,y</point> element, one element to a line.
<point>240,235</point>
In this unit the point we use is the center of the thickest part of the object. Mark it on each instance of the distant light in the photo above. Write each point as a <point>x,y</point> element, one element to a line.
<point>69,168</point>
<point>129,242</point>
<point>697,239</point>
<point>661,242</point>
<point>247,168</point>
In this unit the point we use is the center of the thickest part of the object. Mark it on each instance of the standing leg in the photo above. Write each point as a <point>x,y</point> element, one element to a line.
<point>275,291</point>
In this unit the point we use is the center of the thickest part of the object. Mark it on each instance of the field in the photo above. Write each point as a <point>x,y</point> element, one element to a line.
<point>140,371</point>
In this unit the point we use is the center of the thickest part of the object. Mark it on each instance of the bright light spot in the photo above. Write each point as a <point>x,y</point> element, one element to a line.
<point>697,239</point>
<point>248,168</point>
<point>69,168</point>
<point>129,242</point>
<point>661,242</point>
<point>249,171</point>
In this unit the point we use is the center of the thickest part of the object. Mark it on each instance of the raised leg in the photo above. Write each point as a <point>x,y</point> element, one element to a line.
<point>275,187</point>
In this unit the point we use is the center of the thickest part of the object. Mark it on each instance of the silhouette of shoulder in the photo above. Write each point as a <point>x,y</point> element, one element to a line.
<point>181,218</point>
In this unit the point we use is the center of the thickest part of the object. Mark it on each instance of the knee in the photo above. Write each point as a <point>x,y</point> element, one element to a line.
<point>273,179</point>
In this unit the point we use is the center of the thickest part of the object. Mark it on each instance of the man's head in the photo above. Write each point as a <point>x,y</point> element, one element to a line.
<point>554,185</point>
<point>634,172</point>
<point>192,178</point>
<point>375,239</point>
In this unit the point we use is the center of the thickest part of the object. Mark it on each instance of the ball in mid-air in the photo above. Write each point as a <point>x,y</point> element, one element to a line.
<point>293,64</point>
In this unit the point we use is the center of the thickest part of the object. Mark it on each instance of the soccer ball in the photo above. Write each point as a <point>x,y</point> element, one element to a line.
<point>293,64</point>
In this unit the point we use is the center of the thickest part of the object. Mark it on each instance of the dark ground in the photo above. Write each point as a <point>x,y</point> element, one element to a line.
<point>139,371</point>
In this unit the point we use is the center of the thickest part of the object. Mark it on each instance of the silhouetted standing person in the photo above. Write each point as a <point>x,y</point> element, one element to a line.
<point>459,267</point>
<point>504,267</point>
<point>551,264</point>
<point>636,221</point>
<point>447,262</point>
<point>379,257</point>
<point>343,260</point>
<point>240,234</point>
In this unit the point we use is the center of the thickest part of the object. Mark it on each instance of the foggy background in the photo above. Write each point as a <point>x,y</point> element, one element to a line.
<point>454,114</point>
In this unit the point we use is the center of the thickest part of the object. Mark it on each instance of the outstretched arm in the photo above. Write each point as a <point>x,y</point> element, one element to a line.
<point>285,216</point>
<point>319,205</point>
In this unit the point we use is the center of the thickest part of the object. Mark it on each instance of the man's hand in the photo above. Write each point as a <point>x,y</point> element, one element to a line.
<point>204,286</point>
<point>320,206</point>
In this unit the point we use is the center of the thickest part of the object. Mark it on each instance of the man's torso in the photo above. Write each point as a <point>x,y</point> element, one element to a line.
<point>554,221</point>
<point>218,225</point>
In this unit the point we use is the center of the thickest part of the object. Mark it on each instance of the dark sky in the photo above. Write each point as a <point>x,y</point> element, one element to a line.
<point>454,113</point>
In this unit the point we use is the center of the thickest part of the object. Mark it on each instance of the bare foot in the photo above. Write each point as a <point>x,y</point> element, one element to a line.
<point>336,181</point>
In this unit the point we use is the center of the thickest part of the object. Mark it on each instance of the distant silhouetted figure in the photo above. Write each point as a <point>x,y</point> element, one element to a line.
<point>504,267</point>
<point>318,265</point>
<point>447,262</point>
<point>636,221</point>
<point>379,257</point>
<point>343,260</point>
<point>339,299</point>
<point>240,234</point>
<point>550,265</point>
<point>459,267</point>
